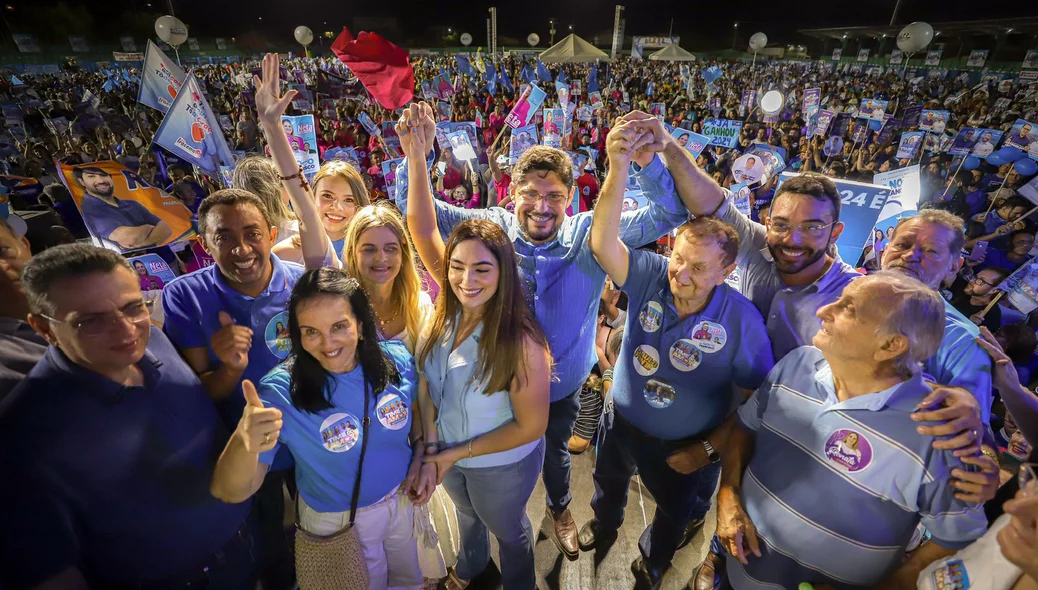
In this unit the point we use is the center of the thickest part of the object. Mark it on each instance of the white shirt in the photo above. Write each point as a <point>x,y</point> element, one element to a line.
<point>981,563</point>
<point>983,149</point>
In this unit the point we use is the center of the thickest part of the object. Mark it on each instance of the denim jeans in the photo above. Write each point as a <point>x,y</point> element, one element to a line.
<point>562,416</point>
<point>493,500</point>
<point>624,452</point>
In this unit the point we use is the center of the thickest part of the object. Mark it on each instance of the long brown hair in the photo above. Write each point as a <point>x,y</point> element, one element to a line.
<point>507,320</point>
<point>347,172</point>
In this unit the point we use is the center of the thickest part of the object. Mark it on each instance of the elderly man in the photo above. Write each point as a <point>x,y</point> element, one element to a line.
<point>562,281</point>
<point>693,348</point>
<point>826,478</point>
<point>108,445</point>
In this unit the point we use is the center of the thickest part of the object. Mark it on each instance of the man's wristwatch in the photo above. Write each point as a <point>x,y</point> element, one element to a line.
<point>713,455</point>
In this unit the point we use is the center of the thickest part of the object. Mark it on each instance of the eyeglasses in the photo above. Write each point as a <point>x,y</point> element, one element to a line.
<point>551,199</point>
<point>98,324</point>
<point>810,230</point>
<point>980,280</point>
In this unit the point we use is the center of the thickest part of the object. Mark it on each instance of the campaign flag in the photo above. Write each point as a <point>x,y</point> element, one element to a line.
<point>522,139</point>
<point>910,116</point>
<point>191,131</point>
<point>161,79</point>
<point>812,98</point>
<point>909,145</point>
<point>389,168</point>
<point>15,81</point>
<point>527,75</point>
<point>506,83</point>
<point>934,120</point>
<point>465,66</point>
<point>872,108</point>
<point>723,132</point>
<point>711,74</point>
<point>543,73</point>
<point>977,58</point>
<point>1021,287</point>
<point>861,204</point>
<point>382,67</point>
<point>554,127</point>
<point>525,108</point>
<point>592,80</point>
<point>896,57</point>
<point>596,100</point>
<point>121,210</point>
<point>368,124</point>
<point>491,75</point>
<point>933,58</point>
<point>152,271</point>
<point>461,145</point>
<point>1023,136</point>
<point>863,55</point>
<point>837,54</point>
<point>903,192</point>
<point>562,92</point>
<point>480,66</point>
<point>986,142</point>
<point>650,89</point>
<point>822,121</point>
<point>1030,59</point>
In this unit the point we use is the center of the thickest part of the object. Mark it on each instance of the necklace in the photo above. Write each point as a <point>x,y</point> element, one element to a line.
<point>382,322</point>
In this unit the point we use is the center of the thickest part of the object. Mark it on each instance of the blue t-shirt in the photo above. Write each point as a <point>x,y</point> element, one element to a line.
<point>327,445</point>
<point>674,379</point>
<point>104,218</point>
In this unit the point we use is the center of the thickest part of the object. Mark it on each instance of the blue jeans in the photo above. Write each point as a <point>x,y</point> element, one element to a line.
<point>622,452</point>
<point>562,416</point>
<point>493,499</point>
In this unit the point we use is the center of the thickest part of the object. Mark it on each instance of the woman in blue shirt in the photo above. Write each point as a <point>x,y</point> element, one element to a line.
<point>484,388</point>
<point>339,385</point>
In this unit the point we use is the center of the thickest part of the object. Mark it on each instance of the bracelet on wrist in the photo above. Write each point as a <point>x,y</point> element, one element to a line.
<point>607,375</point>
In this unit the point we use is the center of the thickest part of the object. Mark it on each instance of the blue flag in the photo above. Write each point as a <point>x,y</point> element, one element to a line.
<point>491,75</point>
<point>109,87</point>
<point>527,75</point>
<point>191,132</point>
<point>15,81</point>
<point>562,76</point>
<point>543,73</point>
<point>465,67</point>
<point>592,80</point>
<point>160,81</point>
<point>651,89</point>
<point>505,82</point>
<point>711,74</point>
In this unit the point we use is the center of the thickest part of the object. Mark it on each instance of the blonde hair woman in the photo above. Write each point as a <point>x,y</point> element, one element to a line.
<point>338,192</point>
<point>259,176</point>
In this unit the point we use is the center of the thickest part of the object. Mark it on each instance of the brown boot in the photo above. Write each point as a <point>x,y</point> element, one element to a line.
<point>564,533</point>
<point>709,575</point>
<point>578,445</point>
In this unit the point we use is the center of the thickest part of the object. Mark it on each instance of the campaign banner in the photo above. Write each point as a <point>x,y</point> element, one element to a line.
<point>221,43</point>
<point>442,129</point>
<point>78,43</point>
<point>596,100</point>
<point>711,74</point>
<point>987,141</point>
<point>525,108</point>
<point>521,140</point>
<point>584,113</point>
<point>389,168</point>
<point>562,94</point>
<point>348,155</point>
<point>812,98</point>
<point>863,55</point>
<point>302,136</point>
<point>469,127</point>
<point>694,142</point>
<point>861,205</point>
<point>1021,287</point>
<point>120,56</point>
<point>896,57</point>
<point>121,210</point>
<point>771,159</point>
<point>872,109</point>
<point>1023,136</point>
<point>933,58</point>
<point>658,110</point>
<point>368,124</point>
<point>461,146</point>
<point>152,271</point>
<point>909,145</point>
<point>26,43</point>
<point>723,132</point>
<point>910,116</point>
<point>964,141</point>
<point>822,121</point>
<point>191,131</point>
<point>934,120</point>
<point>903,192</point>
<point>837,54</point>
<point>192,43</point>
<point>128,44</point>
<point>161,79</point>
<point>554,127</point>
<point>977,58</point>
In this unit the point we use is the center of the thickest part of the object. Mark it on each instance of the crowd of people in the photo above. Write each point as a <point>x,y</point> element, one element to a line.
<point>394,351</point>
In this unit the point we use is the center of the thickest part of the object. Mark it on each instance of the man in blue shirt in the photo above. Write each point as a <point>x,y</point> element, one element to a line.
<point>827,476</point>
<point>227,320</point>
<point>123,221</point>
<point>107,447</point>
<point>562,282</point>
<point>693,349</point>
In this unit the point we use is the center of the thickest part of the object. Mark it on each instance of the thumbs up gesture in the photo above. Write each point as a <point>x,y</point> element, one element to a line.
<point>231,343</point>
<point>259,426</point>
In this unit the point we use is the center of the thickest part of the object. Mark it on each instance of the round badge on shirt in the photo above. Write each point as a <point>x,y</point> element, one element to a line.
<point>709,336</point>
<point>646,360</point>
<point>658,394</point>
<point>651,316</point>
<point>276,336</point>
<point>849,450</point>
<point>392,412</point>
<point>340,432</point>
<point>685,355</point>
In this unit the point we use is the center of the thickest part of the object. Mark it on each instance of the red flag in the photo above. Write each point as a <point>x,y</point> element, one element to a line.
<point>382,67</point>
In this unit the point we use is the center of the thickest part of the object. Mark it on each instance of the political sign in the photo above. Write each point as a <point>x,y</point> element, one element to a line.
<point>896,57</point>
<point>522,139</point>
<point>152,271</point>
<point>1023,136</point>
<point>161,79</point>
<point>562,93</point>
<point>442,129</point>
<point>934,120</point>
<point>368,124</point>
<point>771,158</point>
<point>821,124</point>
<point>964,141</point>
<point>837,54</point>
<point>191,131</point>
<point>658,109</point>
<point>909,145</point>
<point>522,113</point>
<point>302,136</point>
<point>694,142</point>
<point>26,42</point>
<point>872,109</point>
<point>1031,59</point>
<point>596,100</point>
<point>742,195</point>
<point>461,146</point>
<point>723,132</point>
<point>389,168</point>
<point>748,169</point>
<point>861,205</point>
<point>933,58</point>
<point>122,211</point>
<point>1021,287</point>
<point>863,55</point>
<point>711,74</point>
<point>812,98</point>
<point>977,58</point>
<point>903,192</point>
<point>554,127</point>
<point>988,139</point>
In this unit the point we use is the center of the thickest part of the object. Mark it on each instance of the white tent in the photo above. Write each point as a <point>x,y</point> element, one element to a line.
<point>672,52</point>
<point>571,50</point>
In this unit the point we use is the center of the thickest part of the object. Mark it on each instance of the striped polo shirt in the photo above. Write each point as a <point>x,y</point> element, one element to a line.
<point>835,489</point>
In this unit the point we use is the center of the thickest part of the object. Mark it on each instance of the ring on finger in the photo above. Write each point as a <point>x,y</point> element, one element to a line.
<point>266,438</point>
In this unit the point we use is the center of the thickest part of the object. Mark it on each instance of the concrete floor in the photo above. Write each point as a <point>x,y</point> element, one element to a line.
<point>555,572</point>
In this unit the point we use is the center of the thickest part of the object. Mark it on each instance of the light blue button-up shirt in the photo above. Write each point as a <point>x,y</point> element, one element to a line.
<point>562,281</point>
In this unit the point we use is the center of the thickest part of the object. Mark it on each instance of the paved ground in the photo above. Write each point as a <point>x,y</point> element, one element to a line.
<point>613,572</point>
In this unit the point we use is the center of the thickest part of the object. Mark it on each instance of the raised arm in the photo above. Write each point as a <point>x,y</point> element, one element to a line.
<point>317,248</point>
<point>421,214</point>
<point>610,252</point>
<point>239,472</point>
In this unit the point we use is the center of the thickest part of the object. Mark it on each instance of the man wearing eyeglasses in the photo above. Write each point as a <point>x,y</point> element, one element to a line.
<point>973,296</point>
<point>562,281</point>
<point>107,445</point>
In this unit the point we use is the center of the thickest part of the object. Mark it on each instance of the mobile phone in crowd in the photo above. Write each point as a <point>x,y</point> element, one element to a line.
<point>979,251</point>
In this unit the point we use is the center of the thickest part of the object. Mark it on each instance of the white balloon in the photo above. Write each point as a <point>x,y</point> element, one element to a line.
<point>466,39</point>
<point>758,41</point>
<point>304,36</point>
<point>171,30</point>
<point>533,39</point>
<point>914,37</point>
<point>771,103</point>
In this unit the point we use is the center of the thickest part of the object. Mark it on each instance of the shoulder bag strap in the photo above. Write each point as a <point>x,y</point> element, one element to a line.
<point>365,422</point>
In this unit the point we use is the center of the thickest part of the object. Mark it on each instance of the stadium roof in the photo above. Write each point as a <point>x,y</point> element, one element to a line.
<point>955,28</point>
